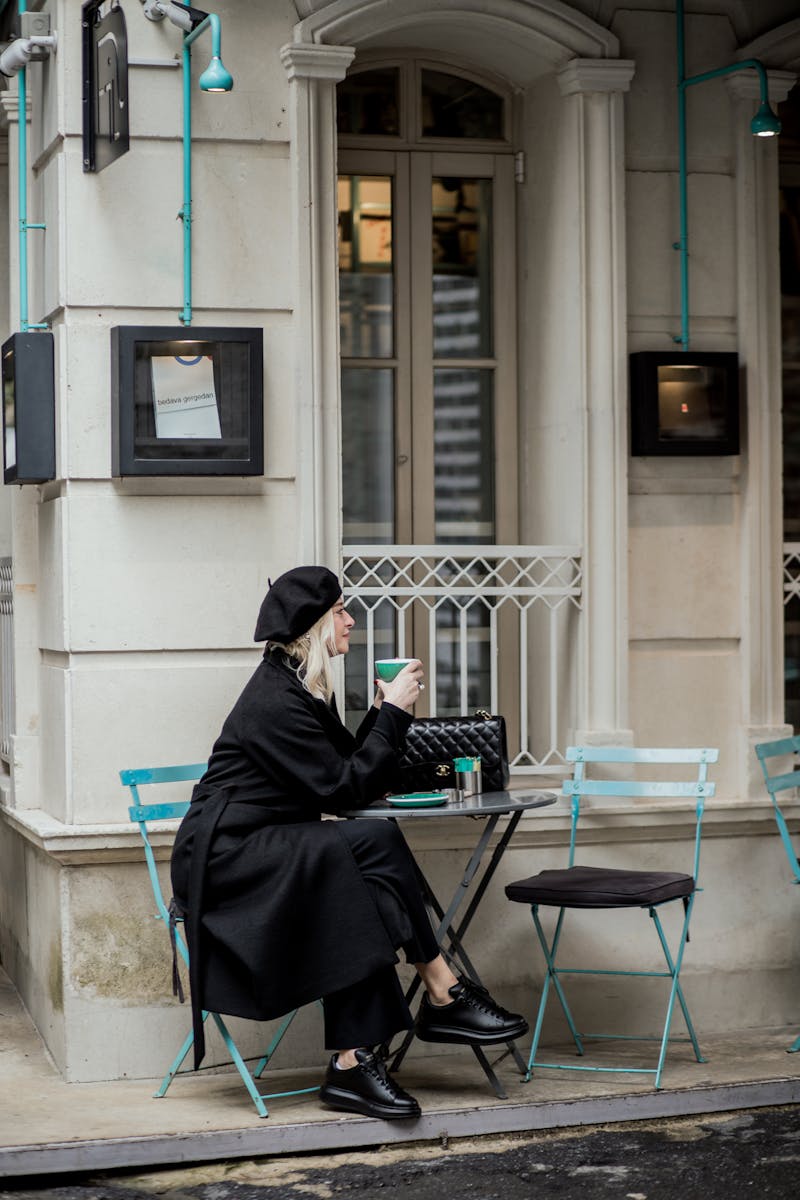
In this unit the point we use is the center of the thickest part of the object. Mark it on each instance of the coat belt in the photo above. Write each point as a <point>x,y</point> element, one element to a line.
<point>212,808</point>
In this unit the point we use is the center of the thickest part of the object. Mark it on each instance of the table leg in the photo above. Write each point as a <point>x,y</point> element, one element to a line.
<point>491,867</point>
<point>499,1090</point>
<point>445,928</point>
<point>455,936</point>
<point>483,883</point>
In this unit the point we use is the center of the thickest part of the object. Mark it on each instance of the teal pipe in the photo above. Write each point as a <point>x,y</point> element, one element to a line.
<point>186,210</point>
<point>684,82</point>
<point>24,226</point>
<point>211,22</point>
<point>22,192</point>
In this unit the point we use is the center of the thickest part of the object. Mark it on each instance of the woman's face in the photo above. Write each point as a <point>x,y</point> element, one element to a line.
<point>342,624</point>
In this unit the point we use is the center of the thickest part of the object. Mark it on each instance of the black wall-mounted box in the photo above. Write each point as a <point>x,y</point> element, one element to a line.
<point>683,403</point>
<point>29,408</point>
<point>187,401</point>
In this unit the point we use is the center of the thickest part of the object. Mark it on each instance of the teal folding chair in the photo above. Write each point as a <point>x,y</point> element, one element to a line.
<point>579,887</point>
<point>146,815</point>
<point>783,781</point>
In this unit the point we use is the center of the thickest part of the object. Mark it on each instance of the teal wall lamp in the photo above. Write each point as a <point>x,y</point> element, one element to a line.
<point>765,123</point>
<point>215,78</point>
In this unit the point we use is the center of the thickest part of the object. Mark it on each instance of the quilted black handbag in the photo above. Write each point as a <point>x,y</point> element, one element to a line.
<point>426,761</point>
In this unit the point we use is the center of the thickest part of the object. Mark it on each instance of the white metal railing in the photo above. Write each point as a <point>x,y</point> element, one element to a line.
<point>6,657</point>
<point>502,625</point>
<point>791,570</point>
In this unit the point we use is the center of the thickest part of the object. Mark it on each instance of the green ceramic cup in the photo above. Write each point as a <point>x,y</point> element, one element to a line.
<point>388,669</point>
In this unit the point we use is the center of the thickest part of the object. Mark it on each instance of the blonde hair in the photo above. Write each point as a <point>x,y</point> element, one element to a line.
<point>313,653</point>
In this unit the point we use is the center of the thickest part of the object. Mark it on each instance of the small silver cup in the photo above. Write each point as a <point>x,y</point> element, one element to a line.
<point>468,776</point>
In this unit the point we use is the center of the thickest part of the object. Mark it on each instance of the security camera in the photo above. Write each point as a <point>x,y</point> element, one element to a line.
<point>15,57</point>
<point>156,10</point>
<point>22,50</point>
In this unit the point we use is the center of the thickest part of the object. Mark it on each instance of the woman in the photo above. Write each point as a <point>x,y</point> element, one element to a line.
<point>283,908</point>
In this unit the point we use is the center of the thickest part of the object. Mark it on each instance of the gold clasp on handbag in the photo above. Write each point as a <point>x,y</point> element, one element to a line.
<point>441,769</point>
<point>482,712</point>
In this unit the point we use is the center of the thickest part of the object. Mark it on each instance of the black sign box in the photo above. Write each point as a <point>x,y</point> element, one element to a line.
<point>684,403</point>
<point>106,135</point>
<point>29,417</point>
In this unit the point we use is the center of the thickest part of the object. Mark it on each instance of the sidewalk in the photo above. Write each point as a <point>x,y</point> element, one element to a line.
<point>48,1126</point>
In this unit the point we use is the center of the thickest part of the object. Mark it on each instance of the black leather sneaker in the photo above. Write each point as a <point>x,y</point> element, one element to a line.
<point>472,1018</point>
<point>367,1089</point>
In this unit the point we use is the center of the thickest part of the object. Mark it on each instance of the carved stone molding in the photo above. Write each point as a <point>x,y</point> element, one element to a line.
<point>307,61</point>
<point>596,75</point>
<point>746,85</point>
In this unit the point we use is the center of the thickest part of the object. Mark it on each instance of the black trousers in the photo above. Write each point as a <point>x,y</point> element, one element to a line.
<point>371,1011</point>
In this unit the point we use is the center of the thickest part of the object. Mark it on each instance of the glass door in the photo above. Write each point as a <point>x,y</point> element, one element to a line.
<point>428,397</point>
<point>789,152</point>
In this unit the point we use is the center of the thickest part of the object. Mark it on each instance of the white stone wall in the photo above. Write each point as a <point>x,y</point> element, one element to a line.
<point>149,588</point>
<point>135,601</point>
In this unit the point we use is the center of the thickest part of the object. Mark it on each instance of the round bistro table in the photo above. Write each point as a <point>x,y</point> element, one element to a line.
<point>486,809</point>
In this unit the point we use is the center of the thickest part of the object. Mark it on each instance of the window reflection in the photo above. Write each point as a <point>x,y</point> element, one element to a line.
<point>366,277</point>
<point>462,263</point>
<point>449,662</point>
<point>453,107</point>
<point>463,424</point>
<point>367,103</point>
<point>359,671</point>
<point>368,454</point>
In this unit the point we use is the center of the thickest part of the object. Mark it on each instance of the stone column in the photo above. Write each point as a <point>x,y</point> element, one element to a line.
<point>24,505</point>
<point>595,87</point>
<point>314,71</point>
<point>759,313</point>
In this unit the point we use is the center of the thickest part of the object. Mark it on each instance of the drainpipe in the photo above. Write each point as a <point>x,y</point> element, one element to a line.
<point>186,210</point>
<point>24,224</point>
<point>683,83</point>
<point>211,22</point>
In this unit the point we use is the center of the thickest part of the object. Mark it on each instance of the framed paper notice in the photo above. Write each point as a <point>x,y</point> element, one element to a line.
<point>187,401</point>
<point>184,399</point>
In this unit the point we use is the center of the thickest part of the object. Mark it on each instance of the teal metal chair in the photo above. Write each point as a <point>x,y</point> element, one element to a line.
<point>146,816</point>
<point>579,887</point>
<point>782,782</point>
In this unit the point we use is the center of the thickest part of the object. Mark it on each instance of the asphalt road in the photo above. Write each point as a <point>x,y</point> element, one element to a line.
<point>729,1156</point>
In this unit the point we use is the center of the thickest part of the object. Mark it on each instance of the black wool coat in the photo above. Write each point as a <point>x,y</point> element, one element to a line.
<point>278,913</point>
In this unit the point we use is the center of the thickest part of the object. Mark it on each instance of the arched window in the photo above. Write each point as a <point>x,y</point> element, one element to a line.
<point>449,106</point>
<point>427,320</point>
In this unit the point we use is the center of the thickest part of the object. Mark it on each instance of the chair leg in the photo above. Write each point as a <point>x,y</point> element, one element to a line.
<point>273,1046</point>
<point>257,1098</point>
<point>241,1066</point>
<point>676,992</point>
<point>176,1064</point>
<point>675,972</point>
<point>538,1027</point>
<point>549,951</point>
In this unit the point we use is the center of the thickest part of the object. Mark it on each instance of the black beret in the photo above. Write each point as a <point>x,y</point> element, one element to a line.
<point>295,602</point>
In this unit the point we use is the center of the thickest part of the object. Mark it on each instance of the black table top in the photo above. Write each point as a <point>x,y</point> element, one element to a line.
<point>482,805</point>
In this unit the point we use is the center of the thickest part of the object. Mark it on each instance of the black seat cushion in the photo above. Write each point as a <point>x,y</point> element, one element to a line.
<point>600,887</point>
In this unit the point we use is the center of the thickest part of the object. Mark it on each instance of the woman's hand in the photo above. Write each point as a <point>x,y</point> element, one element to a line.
<point>404,689</point>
